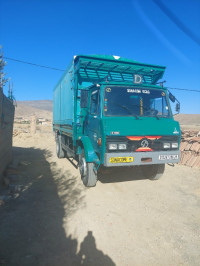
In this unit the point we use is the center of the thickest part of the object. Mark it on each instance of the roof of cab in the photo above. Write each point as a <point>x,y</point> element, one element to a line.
<point>93,68</point>
<point>114,58</point>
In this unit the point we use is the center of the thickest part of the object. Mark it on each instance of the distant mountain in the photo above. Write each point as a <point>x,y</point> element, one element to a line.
<point>44,108</point>
<point>42,105</point>
<point>188,119</point>
<point>41,108</point>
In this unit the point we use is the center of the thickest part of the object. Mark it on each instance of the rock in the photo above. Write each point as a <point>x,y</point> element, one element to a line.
<point>183,145</point>
<point>187,148</point>
<point>190,149</point>
<point>186,157</point>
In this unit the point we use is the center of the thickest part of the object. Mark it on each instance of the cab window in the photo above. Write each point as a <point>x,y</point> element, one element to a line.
<point>94,102</point>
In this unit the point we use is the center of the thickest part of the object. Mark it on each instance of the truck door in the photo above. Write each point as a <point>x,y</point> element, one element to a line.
<point>92,122</point>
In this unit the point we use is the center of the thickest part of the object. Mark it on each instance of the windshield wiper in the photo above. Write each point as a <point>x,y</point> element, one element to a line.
<point>126,108</point>
<point>157,117</point>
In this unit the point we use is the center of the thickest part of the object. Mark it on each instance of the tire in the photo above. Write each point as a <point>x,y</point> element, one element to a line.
<point>88,175</point>
<point>153,171</point>
<point>59,151</point>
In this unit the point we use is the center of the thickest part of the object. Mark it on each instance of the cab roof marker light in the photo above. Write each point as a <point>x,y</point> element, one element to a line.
<point>116,57</point>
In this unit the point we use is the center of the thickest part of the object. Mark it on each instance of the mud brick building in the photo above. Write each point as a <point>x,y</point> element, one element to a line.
<point>7,111</point>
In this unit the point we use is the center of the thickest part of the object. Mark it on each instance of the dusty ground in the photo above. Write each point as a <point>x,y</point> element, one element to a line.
<point>124,220</point>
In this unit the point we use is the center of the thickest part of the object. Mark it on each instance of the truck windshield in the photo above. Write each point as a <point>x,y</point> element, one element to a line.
<point>131,101</point>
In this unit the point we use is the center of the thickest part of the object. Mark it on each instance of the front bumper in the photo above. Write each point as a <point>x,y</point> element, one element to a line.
<point>143,158</point>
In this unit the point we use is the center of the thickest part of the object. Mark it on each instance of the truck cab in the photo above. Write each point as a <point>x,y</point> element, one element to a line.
<point>121,118</point>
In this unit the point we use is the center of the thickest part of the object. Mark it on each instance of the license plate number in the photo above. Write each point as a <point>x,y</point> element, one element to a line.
<point>168,157</point>
<point>121,159</point>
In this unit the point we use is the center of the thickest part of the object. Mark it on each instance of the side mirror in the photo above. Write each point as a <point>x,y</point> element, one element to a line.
<point>172,97</point>
<point>178,107</point>
<point>84,99</point>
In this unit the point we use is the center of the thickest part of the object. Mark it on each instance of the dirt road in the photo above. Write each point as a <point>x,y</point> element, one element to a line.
<point>124,220</point>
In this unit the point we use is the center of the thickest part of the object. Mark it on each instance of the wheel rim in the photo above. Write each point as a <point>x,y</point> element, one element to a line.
<point>57,147</point>
<point>83,167</point>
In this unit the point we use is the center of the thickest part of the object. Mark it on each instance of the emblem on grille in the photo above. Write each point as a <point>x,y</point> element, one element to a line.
<point>144,143</point>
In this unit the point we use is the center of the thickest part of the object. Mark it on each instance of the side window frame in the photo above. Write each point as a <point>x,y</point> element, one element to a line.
<point>96,92</point>
<point>163,102</point>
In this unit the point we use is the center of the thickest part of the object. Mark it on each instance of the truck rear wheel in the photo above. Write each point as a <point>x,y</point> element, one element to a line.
<point>153,171</point>
<point>59,151</point>
<point>88,176</point>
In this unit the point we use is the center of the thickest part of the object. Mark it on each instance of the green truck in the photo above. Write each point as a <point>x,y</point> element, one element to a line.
<point>110,111</point>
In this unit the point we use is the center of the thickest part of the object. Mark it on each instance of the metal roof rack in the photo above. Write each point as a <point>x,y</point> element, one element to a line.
<point>97,69</point>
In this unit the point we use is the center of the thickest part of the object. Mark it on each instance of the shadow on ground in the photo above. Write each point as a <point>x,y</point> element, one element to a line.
<point>120,174</point>
<point>31,227</point>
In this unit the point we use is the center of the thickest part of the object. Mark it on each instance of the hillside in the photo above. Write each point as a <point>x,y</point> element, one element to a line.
<point>188,121</point>
<point>39,108</point>
<point>42,105</point>
<point>44,109</point>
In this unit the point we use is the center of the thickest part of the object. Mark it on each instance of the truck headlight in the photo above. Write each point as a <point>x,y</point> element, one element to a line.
<point>112,146</point>
<point>122,146</point>
<point>166,145</point>
<point>175,145</point>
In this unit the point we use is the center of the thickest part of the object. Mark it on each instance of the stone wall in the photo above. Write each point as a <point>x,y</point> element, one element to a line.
<point>7,110</point>
<point>190,149</point>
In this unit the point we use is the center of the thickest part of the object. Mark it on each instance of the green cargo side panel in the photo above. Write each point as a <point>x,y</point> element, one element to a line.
<point>63,100</point>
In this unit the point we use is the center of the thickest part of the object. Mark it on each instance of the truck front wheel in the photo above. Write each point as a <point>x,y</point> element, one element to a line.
<point>153,171</point>
<point>59,151</point>
<point>88,175</point>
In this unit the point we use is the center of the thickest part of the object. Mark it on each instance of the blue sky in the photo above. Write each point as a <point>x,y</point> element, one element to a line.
<point>50,32</point>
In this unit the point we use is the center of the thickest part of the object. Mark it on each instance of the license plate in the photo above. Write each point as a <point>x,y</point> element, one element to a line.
<point>121,159</point>
<point>168,157</point>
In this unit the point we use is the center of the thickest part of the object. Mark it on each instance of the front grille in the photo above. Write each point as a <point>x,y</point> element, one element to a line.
<point>134,145</point>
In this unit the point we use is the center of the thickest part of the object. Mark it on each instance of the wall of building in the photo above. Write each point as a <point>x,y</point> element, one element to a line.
<point>7,110</point>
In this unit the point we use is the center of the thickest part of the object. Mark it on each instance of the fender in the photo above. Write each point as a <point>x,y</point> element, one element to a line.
<point>90,154</point>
